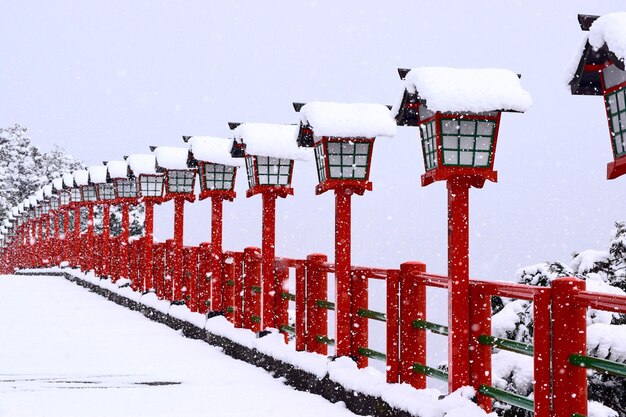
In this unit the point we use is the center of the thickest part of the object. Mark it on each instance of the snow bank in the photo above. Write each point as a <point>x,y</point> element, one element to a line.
<point>609,29</point>
<point>348,120</point>
<point>142,164</point>
<point>97,174</point>
<point>506,320</point>
<point>607,341</point>
<point>81,177</point>
<point>273,140</point>
<point>215,150</point>
<point>117,169</point>
<point>170,157</point>
<point>468,90</point>
<point>595,409</point>
<point>505,364</point>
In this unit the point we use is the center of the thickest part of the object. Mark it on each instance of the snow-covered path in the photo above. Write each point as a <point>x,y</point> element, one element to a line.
<point>67,352</point>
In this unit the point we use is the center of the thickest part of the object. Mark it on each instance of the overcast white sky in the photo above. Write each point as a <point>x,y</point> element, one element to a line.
<point>108,78</point>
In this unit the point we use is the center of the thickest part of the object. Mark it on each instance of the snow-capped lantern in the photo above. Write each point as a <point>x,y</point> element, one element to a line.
<point>124,182</point>
<point>105,190</point>
<point>343,138</point>
<point>46,205</point>
<point>180,174</point>
<point>151,183</point>
<point>269,151</point>
<point>35,208</point>
<point>601,71</point>
<point>65,195</point>
<point>217,169</point>
<point>458,113</point>
<point>87,190</point>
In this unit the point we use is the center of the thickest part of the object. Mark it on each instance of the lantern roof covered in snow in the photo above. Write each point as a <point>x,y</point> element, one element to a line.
<point>57,184</point>
<point>20,207</point>
<point>117,170</point>
<point>47,190</point>
<point>97,174</point>
<point>81,177</point>
<point>460,90</point>
<point>605,43</point>
<point>264,139</point>
<point>171,157</point>
<point>39,195</point>
<point>142,164</point>
<point>345,120</point>
<point>68,180</point>
<point>26,203</point>
<point>32,200</point>
<point>212,149</point>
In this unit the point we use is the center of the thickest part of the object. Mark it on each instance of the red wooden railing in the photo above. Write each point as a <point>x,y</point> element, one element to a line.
<point>558,348</point>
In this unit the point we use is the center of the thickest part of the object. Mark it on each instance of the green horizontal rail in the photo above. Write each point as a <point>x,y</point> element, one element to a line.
<point>326,340</point>
<point>288,296</point>
<point>255,289</point>
<point>374,354</point>
<point>578,415</point>
<point>507,344</point>
<point>325,304</point>
<point>230,282</point>
<point>288,329</point>
<point>230,309</point>
<point>507,397</point>
<point>371,314</point>
<point>603,365</point>
<point>255,319</point>
<point>432,327</point>
<point>431,372</point>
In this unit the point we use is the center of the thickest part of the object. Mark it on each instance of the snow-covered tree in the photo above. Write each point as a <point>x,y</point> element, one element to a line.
<point>24,169</point>
<point>603,271</point>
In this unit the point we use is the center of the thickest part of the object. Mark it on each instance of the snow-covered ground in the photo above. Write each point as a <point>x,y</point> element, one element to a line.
<point>67,352</point>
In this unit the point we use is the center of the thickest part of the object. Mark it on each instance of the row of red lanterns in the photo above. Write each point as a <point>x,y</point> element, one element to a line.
<point>458,113</point>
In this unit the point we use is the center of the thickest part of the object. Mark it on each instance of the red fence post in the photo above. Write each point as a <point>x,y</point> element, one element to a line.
<point>412,307</point>
<point>316,289</point>
<point>251,293</point>
<point>360,325</point>
<point>281,305</point>
<point>542,350</point>
<point>301,308</point>
<point>569,336</point>
<point>204,278</point>
<point>237,290</point>
<point>158,269</point>
<point>393,326</point>
<point>480,355</point>
<point>169,268</point>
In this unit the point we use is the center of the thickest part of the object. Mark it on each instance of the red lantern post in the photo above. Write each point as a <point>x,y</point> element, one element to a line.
<point>601,71</point>
<point>343,138</point>
<point>151,188</point>
<point>104,194</point>
<point>269,151</point>
<point>217,171</point>
<point>125,194</point>
<point>458,112</point>
<point>180,176</point>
